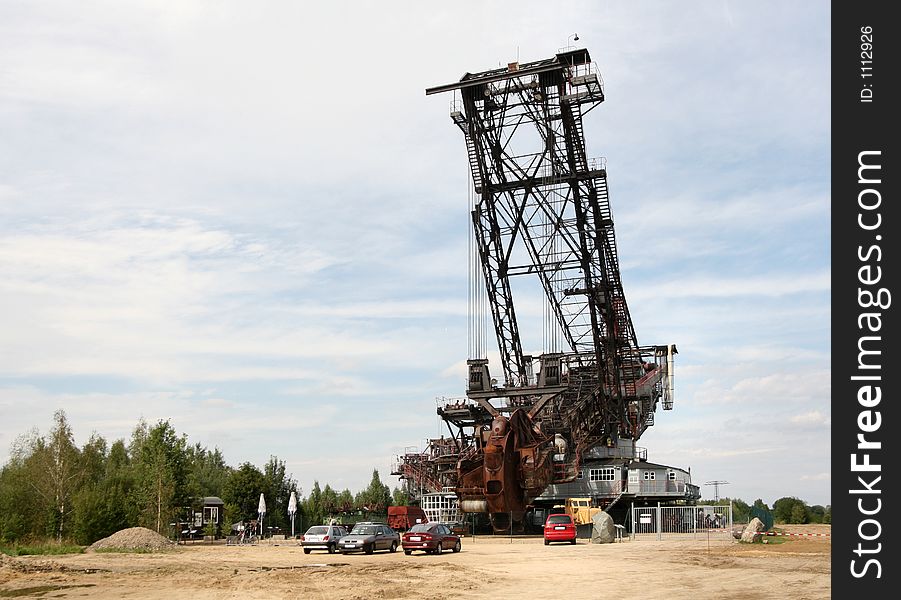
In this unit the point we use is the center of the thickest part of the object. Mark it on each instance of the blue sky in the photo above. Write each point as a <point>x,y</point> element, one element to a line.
<point>250,220</point>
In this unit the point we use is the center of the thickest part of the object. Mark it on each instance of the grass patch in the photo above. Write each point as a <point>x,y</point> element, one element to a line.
<point>45,548</point>
<point>774,539</point>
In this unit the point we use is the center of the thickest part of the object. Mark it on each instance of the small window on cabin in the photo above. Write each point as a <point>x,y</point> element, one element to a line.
<point>650,475</point>
<point>672,475</point>
<point>581,474</point>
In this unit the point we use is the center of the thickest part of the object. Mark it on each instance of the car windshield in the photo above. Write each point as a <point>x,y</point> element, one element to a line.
<point>558,519</point>
<point>317,531</point>
<point>365,530</point>
<point>421,528</point>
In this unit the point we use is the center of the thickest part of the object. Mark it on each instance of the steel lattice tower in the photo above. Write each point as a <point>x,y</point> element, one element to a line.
<point>542,210</point>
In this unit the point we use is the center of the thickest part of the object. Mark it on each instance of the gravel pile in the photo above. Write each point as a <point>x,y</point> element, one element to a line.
<point>134,538</point>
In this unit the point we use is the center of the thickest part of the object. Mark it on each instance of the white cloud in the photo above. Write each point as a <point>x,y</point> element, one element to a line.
<point>813,417</point>
<point>725,286</point>
<point>768,390</point>
<point>221,215</point>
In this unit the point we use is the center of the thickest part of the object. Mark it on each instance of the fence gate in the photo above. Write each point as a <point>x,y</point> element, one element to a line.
<point>682,522</point>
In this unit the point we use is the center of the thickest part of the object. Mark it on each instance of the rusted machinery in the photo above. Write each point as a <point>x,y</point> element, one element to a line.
<point>541,214</point>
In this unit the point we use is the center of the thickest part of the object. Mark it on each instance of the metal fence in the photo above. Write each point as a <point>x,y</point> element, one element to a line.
<point>682,522</point>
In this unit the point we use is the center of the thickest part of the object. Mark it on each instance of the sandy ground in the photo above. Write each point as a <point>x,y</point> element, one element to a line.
<point>486,568</point>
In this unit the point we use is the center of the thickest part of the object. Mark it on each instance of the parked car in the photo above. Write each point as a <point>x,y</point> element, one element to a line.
<point>432,538</point>
<point>559,528</point>
<point>322,537</point>
<point>368,537</point>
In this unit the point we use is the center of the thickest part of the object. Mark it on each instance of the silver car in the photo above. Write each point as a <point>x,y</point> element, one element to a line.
<point>322,537</point>
<point>368,537</point>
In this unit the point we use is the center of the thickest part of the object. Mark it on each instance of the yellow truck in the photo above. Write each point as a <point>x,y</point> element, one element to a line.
<point>579,509</point>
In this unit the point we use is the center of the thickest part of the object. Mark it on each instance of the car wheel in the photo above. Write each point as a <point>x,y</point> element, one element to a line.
<point>573,541</point>
<point>408,552</point>
<point>332,548</point>
<point>457,546</point>
<point>547,542</point>
<point>438,548</point>
<point>306,550</point>
<point>368,548</point>
<point>393,547</point>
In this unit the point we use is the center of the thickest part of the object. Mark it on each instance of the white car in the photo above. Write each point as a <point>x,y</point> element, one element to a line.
<point>322,537</point>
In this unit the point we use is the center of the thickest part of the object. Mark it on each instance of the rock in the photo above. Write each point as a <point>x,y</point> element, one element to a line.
<point>603,531</point>
<point>752,531</point>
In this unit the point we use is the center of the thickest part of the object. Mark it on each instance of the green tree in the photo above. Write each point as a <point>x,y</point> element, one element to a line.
<point>207,471</point>
<point>279,485</point>
<point>827,517</point>
<point>798,514</point>
<point>313,505</point>
<point>345,501</point>
<point>160,467</point>
<point>784,509</point>
<point>377,496</point>
<point>329,501</point>
<point>400,497</point>
<point>100,511</point>
<point>57,473</point>
<point>817,513</point>
<point>19,513</point>
<point>740,511</point>
<point>93,459</point>
<point>231,515</point>
<point>760,504</point>
<point>242,491</point>
<point>119,479</point>
<point>99,506</point>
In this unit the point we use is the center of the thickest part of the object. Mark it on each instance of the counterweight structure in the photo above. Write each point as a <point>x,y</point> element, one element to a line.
<point>540,211</point>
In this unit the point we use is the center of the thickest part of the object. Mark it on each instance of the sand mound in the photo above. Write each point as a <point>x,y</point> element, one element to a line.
<point>133,538</point>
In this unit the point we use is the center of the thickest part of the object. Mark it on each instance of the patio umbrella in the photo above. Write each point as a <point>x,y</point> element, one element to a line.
<point>292,508</point>
<point>261,509</point>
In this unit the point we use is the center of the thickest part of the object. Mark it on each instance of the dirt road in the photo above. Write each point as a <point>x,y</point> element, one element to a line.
<point>486,568</point>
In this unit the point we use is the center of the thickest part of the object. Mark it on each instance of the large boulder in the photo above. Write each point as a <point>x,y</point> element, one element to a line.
<point>603,531</point>
<point>752,530</point>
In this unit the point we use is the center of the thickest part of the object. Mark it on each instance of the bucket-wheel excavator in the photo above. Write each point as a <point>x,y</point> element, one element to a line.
<point>542,229</point>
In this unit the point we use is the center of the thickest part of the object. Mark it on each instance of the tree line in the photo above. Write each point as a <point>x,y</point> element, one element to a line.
<point>789,510</point>
<point>51,488</point>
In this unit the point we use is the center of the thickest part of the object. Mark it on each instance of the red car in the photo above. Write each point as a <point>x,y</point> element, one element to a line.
<point>432,538</point>
<point>559,528</point>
